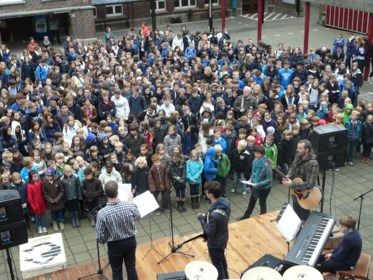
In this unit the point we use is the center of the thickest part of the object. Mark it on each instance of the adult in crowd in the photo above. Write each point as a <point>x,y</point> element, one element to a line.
<point>245,102</point>
<point>260,182</point>
<point>116,227</point>
<point>305,167</point>
<point>215,225</point>
<point>347,253</point>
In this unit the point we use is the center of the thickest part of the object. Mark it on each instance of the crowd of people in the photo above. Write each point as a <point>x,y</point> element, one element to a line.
<point>162,110</point>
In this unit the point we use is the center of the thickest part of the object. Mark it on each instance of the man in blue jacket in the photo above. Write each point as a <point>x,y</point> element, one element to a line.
<point>215,226</point>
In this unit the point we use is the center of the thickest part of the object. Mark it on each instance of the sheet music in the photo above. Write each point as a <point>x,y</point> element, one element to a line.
<point>123,191</point>
<point>247,182</point>
<point>146,203</point>
<point>289,223</point>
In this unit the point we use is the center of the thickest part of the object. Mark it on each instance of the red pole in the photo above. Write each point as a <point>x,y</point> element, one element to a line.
<point>260,19</point>
<point>306,26</point>
<point>370,41</point>
<point>222,15</point>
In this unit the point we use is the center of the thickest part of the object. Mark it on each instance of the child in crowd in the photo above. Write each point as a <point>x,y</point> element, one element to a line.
<point>73,194</point>
<point>194,169</point>
<point>36,200</point>
<point>353,126</point>
<point>177,177</point>
<point>139,179</point>
<point>159,183</point>
<point>21,187</point>
<point>240,161</point>
<point>367,138</point>
<point>271,151</point>
<point>224,166</point>
<point>39,163</point>
<point>53,192</point>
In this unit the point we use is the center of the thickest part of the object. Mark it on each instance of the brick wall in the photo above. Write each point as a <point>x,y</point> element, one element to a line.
<point>82,25</point>
<point>34,5</point>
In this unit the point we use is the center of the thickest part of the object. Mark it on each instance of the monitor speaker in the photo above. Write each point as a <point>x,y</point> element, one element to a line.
<point>331,159</point>
<point>10,207</point>
<point>13,230</point>
<point>13,235</point>
<point>329,137</point>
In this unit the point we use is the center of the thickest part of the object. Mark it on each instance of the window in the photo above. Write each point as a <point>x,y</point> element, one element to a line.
<point>95,12</point>
<point>214,2</point>
<point>160,5</point>
<point>184,3</point>
<point>114,10</point>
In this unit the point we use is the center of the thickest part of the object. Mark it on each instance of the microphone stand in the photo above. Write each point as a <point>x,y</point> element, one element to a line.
<point>100,271</point>
<point>172,245</point>
<point>362,196</point>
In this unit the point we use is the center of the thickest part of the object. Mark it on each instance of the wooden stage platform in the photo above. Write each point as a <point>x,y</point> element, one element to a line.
<point>249,240</point>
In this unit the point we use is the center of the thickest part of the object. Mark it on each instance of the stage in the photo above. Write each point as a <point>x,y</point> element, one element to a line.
<point>249,240</point>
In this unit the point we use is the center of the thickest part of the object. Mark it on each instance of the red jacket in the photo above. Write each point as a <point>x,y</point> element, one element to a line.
<point>35,198</point>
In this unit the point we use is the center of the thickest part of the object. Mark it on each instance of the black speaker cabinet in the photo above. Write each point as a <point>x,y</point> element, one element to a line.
<point>329,137</point>
<point>13,235</point>
<point>10,207</point>
<point>327,159</point>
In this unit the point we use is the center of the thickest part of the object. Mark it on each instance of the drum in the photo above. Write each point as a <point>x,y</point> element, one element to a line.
<point>201,270</point>
<point>261,273</point>
<point>303,272</point>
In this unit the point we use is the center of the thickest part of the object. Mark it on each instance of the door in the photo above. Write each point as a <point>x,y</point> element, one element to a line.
<point>249,6</point>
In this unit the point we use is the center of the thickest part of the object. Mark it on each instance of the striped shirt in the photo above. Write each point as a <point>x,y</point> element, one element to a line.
<point>116,221</point>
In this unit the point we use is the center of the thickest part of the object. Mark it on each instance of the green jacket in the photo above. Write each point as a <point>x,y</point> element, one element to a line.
<point>224,166</point>
<point>271,153</point>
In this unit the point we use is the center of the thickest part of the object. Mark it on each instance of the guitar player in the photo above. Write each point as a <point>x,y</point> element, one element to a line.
<point>306,167</point>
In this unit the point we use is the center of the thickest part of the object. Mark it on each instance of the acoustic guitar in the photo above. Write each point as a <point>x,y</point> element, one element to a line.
<point>307,199</point>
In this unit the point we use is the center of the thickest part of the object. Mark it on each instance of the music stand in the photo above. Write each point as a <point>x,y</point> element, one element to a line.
<point>288,223</point>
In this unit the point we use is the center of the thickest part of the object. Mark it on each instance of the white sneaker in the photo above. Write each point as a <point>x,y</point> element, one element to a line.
<point>233,190</point>
<point>40,230</point>
<point>244,193</point>
<point>45,230</point>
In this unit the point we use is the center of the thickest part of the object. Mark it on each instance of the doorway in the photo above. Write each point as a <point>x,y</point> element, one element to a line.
<point>249,6</point>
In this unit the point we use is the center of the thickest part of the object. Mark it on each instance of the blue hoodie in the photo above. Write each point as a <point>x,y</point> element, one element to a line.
<point>210,167</point>
<point>194,171</point>
<point>215,223</point>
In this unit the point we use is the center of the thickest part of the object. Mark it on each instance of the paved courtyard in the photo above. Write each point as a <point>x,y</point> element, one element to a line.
<point>349,182</point>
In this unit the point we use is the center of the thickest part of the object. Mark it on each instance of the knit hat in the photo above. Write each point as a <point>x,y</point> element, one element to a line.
<point>103,136</point>
<point>50,172</point>
<point>91,138</point>
<point>271,129</point>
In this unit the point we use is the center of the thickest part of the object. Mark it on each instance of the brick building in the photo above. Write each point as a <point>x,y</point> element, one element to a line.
<point>20,19</point>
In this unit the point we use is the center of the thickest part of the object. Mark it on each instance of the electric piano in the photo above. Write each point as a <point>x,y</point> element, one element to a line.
<point>311,240</point>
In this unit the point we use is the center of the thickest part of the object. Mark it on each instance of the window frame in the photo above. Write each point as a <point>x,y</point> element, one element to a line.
<point>157,9</point>
<point>186,7</point>
<point>114,14</point>
<point>213,4</point>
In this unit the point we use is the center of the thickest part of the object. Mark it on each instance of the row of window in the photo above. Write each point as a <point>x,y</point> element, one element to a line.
<point>117,10</point>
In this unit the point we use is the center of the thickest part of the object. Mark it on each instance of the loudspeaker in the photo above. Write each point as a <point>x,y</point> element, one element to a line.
<point>10,207</point>
<point>13,235</point>
<point>326,160</point>
<point>13,230</point>
<point>329,137</point>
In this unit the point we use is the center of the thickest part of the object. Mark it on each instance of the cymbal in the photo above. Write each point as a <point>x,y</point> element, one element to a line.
<point>261,273</point>
<point>303,272</point>
<point>201,270</point>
